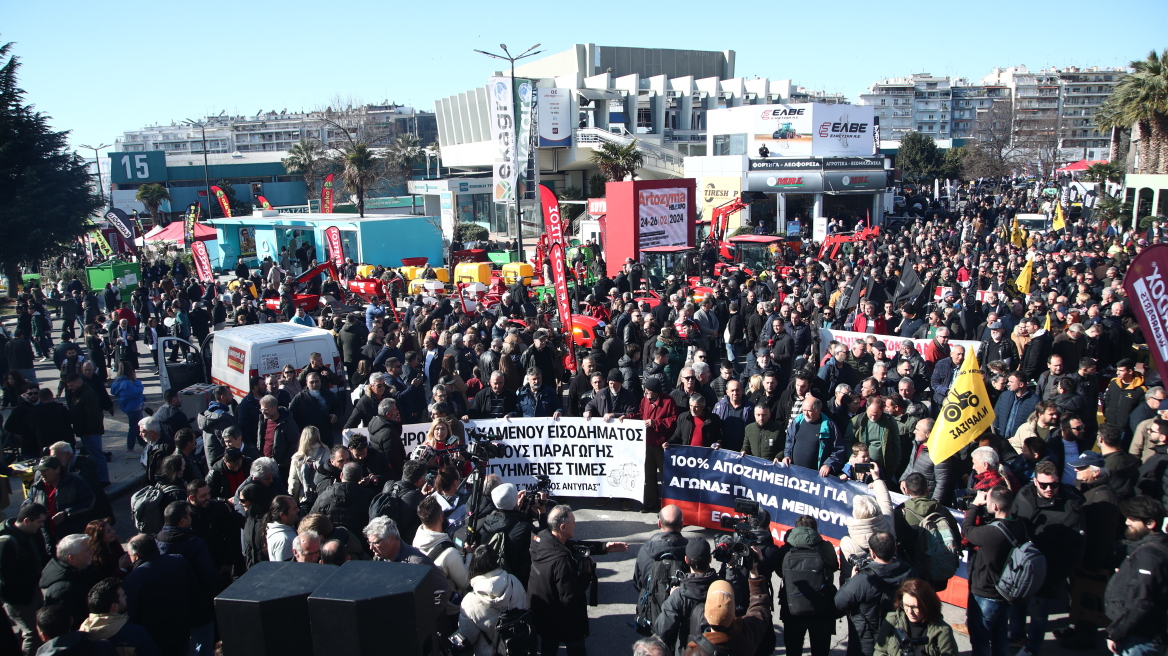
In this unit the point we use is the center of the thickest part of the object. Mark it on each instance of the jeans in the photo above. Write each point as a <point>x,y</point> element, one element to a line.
<point>93,449</point>
<point>1039,610</point>
<point>133,438</point>
<point>549,646</point>
<point>24,617</point>
<point>820,630</point>
<point>202,640</point>
<point>731,356</point>
<point>989,626</point>
<point>1135,646</point>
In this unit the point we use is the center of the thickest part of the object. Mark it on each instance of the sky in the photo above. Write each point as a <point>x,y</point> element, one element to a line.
<point>101,68</point>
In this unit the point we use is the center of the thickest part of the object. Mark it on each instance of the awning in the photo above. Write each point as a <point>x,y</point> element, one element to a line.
<point>174,232</point>
<point>598,94</point>
<point>1081,165</point>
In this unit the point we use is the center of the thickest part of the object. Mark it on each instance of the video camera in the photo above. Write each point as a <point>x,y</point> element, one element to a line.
<point>585,550</point>
<point>483,450</point>
<point>736,550</point>
<point>543,485</point>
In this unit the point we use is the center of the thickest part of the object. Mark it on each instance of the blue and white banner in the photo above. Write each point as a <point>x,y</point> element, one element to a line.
<point>705,482</point>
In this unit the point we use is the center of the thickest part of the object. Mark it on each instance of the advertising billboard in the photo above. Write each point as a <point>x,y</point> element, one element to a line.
<point>798,130</point>
<point>554,114</point>
<point>719,191</point>
<point>662,214</point>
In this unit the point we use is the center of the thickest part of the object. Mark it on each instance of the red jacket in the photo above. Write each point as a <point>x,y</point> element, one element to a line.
<point>663,413</point>
<point>861,325</point>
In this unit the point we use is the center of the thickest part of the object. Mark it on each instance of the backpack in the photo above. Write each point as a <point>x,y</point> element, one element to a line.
<point>513,633</point>
<point>389,504</point>
<point>935,552</point>
<point>438,549</point>
<point>707,647</point>
<point>146,507</point>
<point>1024,572</point>
<point>497,541</point>
<point>657,589</point>
<point>807,582</point>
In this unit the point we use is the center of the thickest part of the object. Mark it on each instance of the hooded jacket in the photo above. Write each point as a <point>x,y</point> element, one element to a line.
<point>76,643</point>
<point>672,624</point>
<point>939,636</point>
<point>1057,528</point>
<point>868,595</point>
<point>128,639</point>
<point>22,557</point>
<point>449,561</point>
<point>61,583</point>
<point>745,633</point>
<point>213,421</point>
<point>279,538</point>
<point>491,595</point>
<point>516,528</point>
<point>385,436</point>
<point>557,592</point>
<point>802,537</point>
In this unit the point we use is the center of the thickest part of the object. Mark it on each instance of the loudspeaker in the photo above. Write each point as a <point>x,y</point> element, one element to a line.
<point>265,611</point>
<point>370,608</point>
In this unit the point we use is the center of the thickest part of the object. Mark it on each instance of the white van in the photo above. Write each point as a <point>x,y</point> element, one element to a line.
<point>239,354</point>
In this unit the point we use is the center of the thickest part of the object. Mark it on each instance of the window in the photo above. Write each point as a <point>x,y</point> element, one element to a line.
<point>883,101</point>
<point>644,117</point>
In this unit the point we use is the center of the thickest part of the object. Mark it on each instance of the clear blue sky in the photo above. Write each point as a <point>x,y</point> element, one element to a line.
<point>100,68</point>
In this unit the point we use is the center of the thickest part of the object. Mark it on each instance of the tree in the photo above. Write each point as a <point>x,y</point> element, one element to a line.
<point>596,186</point>
<point>571,212</point>
<point>152,195</point>
<point>46,192</point>
<point>362,168</point>
<point>1141,99</point>
<point>618,162</point>
<point>981,161</point>
<point>400,157</point>
<point>306,157</point>
<point>918,157</point>
<point>1104,172</point>
<point>950,167</point>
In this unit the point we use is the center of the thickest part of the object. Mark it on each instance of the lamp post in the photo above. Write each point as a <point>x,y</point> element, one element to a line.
<point>206,177</point>
<point>97,162</point>
<point>515,126</point>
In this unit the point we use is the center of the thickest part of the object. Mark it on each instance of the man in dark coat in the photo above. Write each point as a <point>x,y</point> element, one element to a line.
<point>88,424</point>
<point>613,401</point>
<point>315,406</point>
<point>67,578</point>
<point>494,401</point>
<point>515,525</point>
<point>23,554</point>
<point>178,538</point>
<point>346,502</point>
<point>698,427</point>
<point>278,435</point>
<point>557,591</point>
<point>668,540</point>
<point>385,435</point>
<point>161,595</point>
<point>66,495</point>
<point>1135,600</point>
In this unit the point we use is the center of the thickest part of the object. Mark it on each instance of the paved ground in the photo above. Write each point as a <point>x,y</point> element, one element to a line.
<point>611,633</point>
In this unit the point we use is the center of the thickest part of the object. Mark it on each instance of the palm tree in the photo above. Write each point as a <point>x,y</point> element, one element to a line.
<point>1104,172</point>
<point>400,157</point>
<point>305,157</point>
<point>617,162</point>
<point>1141,99</point>
<point>362,167</point>
<point>596,188</point>
<point>152,195</point>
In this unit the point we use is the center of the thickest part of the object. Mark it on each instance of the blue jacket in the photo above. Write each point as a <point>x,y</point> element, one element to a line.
<point>942,377</point>
<point>734,422</point>
<point>541,404</point>
<point>129,393</point>
<point>1011,412</point>
<point>830,450</point>
<point>370,313</point>
<point>247,415</point>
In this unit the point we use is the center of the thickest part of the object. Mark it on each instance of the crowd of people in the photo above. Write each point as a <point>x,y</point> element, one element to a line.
<point>742,365</point>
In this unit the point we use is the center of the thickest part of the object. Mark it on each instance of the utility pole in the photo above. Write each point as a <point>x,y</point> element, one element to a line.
<point>97,163</point>
<point>206,178</point>
<point>515,126</point>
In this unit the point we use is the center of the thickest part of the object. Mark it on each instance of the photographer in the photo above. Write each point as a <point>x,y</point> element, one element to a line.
<point>728,634</point>
<point>515,527</point>
<point>560,578</point>
<point>867,597</point>
<point>672,625</point>
<point>860,467</point>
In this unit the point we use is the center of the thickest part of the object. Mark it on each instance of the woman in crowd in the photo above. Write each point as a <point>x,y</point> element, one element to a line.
<point>302,473</point>
<point>493,592</point>
<point>917,620</point>
<point>109,559</point>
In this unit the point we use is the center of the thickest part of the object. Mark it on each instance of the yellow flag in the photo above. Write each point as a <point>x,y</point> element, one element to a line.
<point>965,414</point>
<point>101,242</point>
<point>1047,326</point>
<point>1060,222</point>
<point>1023,282</point>
<point>1018,235</point>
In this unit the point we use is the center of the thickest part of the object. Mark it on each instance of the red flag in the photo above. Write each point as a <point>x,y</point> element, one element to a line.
<point>202,262</point>
<point>222,198</point>
<point>333,234</point>
<point>326,195</point>
<point>264,202</point>
<point>1147,290</point>
<point>555,234</point>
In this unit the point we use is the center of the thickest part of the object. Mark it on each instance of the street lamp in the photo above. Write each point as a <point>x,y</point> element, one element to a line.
<point>206,177</point>
<point>97,162</point>
<point>515,126</point>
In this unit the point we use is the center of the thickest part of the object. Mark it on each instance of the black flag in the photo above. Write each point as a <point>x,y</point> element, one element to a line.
<point>908,286</point>
<point>124,226</point>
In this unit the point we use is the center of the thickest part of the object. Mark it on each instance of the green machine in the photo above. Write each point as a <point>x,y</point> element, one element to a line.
<point>128,275</point>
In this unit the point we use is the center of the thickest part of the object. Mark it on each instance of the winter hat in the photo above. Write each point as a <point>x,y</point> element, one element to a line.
<point>505,496</point>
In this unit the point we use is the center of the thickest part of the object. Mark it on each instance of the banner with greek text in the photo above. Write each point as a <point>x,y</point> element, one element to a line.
<point>582,457</point>
<point>556,246</point>
<point>891,343</point>
<point>704,482</point>
<point>1145,285</point>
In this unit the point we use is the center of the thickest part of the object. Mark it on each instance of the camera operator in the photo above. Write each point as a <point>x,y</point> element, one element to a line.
<point>515,527</point>
<point>729,634</point>
<point>672,625</point>
<point>561,575</point>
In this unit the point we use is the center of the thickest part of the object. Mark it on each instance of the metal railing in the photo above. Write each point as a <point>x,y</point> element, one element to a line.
<point>663,159</point>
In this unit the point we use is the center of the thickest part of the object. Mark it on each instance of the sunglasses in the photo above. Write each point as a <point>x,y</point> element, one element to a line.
<point>1047,486</point>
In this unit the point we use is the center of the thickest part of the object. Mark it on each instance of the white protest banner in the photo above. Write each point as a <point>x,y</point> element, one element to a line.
<point>582,457</point>
<point>891,343</point>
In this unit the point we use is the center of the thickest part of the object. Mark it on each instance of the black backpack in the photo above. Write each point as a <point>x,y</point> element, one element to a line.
<point>807,583</point>
<point>513,633</point>
<point>657,589</point>
<point>389,504</point>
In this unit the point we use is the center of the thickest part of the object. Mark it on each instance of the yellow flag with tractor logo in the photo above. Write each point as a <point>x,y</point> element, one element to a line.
<point>1060,221</point>
<point>1024,278</point>
<point>965,414</point>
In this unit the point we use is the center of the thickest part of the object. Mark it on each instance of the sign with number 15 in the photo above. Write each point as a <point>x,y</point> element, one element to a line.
<point>127,168</point>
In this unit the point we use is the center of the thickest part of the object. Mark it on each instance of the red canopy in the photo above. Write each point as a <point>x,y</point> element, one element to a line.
<point>174,232</point>
<point>1081,165</point>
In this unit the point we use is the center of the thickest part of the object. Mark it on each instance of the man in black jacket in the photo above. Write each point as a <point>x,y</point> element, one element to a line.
<point>171,416</point>
<point>698,427</point>
<point>399,500</point>
<point>67,494</point>
<point>985,527</point>
<point>515,525</point>
<point>88,424</point>
<point>867,596</point>
<point>213,421</point>
<point>346,503</point>
<point>160,595</point>
<point>67,578</point>
<point>1137,596</point>
<point>668,540</point>
<point>673,623</point>
<point>315,406</point>
<point>385,431</point>
<point>558,587</point>
<point>614,401</point>
<point>23,554</point>
<point>218,525</point>
<point>494,402</point>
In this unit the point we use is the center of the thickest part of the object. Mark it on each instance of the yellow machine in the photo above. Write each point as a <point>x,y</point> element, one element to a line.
<point>513,271</point>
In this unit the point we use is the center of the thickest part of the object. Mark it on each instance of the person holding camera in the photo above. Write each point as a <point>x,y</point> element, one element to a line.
<point>916,625</point>
<point>672,625</point>
<point>561,572</point>
<point>728,634</point>
<point>515,527</point>
<point>860,467</point>
<point>867,596</point>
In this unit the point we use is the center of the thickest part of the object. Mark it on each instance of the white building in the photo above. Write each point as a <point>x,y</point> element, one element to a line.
<point>919,103</point>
